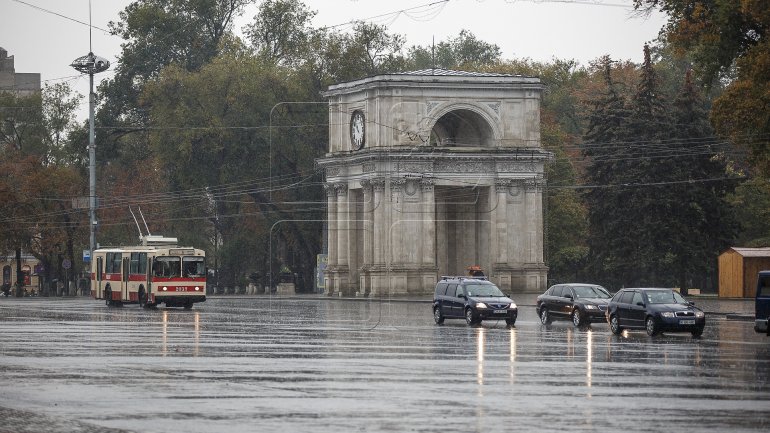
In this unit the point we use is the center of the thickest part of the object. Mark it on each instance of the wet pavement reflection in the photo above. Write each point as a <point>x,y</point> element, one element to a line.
<point>270,364</point>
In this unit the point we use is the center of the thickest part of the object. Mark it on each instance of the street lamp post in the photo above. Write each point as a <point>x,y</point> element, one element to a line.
<point>91,64</point>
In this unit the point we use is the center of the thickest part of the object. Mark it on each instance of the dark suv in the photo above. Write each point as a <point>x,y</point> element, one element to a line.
<point>472,298</point>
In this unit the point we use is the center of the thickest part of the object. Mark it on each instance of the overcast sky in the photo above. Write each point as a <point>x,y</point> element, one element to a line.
<point>583,30</point>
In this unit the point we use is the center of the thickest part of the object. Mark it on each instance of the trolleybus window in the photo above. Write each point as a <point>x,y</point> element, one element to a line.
<point>193,267</point>
<point>138,263</point>
<point>166,267</point>
<point>113,263</point>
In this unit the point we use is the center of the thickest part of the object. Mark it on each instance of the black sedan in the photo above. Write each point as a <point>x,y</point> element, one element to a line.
<point>655,310</point>
<point>580,303</point>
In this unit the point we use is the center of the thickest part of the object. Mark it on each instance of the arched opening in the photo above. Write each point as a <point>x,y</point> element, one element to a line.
<point>462,128</point>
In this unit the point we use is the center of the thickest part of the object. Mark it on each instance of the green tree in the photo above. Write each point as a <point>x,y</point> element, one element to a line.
<point>728,41</point>
<point>281,31</point>
<point>465,51</point>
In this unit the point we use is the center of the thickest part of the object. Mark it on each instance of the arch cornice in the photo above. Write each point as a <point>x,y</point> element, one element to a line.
<point>482,109</point>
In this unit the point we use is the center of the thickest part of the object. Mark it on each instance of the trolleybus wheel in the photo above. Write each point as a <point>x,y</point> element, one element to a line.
<point>188,305</point>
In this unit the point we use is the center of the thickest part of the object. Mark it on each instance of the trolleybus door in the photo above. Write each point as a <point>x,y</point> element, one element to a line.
<point>99,269</point>
<point>148,274</point>
<point>124,282</point>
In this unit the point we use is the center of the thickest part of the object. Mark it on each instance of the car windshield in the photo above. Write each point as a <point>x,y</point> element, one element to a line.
<point>665,297</point>
<point>482,290</point>
<point>591,292</point>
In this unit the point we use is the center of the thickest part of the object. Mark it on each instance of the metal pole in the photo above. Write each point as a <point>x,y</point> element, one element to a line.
<point>91,166</point>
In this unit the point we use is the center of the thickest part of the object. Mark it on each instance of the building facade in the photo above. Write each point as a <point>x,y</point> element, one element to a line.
<point>22,84</point>
<point>430,172</point>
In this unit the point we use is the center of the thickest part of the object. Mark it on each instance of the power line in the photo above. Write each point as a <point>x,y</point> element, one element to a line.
<point>60,15</point>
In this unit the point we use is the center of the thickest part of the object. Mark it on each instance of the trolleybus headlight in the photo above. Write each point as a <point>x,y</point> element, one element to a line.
<point>164,289</point>
<point>197,289</point>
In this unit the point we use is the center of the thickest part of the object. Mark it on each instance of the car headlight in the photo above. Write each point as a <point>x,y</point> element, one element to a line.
<point>512,306</point>
<point>481,305</point>
<point>668,314</point>
<point>591,307</point>
<point>699,314</point>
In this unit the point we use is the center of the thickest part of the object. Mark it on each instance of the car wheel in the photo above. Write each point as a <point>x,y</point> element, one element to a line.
<point>577,318</point>
<point>469,319</point>
<point>545,318</point>
<point>615,325</point>
<point>697,333</point>
<point>437,316</point>
<point>510,322</point>
<point>650,325</point>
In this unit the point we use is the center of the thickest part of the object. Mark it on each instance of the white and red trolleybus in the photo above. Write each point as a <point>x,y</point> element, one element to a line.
<point>158,271</point>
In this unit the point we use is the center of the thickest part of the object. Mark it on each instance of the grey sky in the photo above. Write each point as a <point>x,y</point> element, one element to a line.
<point>539,29</point>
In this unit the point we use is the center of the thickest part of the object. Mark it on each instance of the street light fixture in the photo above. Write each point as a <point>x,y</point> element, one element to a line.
<point>91,64</point>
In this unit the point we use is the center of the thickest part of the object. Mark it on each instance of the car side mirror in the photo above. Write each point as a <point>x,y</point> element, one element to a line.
<point>691,303</point>
<point>461,296</point>
<point>641,304</point>
<point>568,296</point>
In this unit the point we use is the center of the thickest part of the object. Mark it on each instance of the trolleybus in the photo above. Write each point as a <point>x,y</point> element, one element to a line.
<point>158,271</point>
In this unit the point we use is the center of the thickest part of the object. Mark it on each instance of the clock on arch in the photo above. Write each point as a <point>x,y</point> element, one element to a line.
<point>357,129</point>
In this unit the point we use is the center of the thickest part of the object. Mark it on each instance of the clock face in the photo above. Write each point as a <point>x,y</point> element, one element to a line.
<point>357,129</point>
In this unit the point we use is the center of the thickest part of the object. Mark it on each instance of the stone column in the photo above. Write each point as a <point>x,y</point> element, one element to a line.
<point>368,217</point>
<point>530,204</point>
<point>331,222</point>
<point>379,222</point>
<point>428,234</point>
<point>396,228</point>
<point>539,224</point>
<point>343,233</point>
<point>500,221</point>
<point>518,226</point>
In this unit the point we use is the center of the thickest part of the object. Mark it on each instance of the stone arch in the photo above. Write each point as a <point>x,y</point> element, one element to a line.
<point>463,125</point>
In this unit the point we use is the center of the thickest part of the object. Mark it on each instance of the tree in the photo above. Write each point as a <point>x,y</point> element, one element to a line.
<point>728,41</point>
<point>281,32</point>
<point>465,51</point>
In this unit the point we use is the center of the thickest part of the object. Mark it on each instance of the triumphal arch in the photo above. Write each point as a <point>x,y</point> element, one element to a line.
<point>430,172</point>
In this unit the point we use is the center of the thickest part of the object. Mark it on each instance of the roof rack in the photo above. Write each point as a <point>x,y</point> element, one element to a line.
<point>462,277</point>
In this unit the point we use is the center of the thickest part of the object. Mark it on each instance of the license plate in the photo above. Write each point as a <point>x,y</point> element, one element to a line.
<point>500,311</point>
<point>687,322</point>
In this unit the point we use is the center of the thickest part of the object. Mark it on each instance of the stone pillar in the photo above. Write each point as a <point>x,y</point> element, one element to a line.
<point>368,235</point>
<point>379,222</point>
<point>380,232</point>
<point>331,215</point>
<point>500,221</point>
<point>428,234</point>
<point>397,273</point>
<point>343,236</point>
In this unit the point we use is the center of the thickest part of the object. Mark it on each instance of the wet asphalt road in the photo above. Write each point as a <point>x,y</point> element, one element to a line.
<point>323,365</point>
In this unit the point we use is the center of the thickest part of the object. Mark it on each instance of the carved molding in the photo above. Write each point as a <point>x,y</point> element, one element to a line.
<point>427,184</point>
<point>332,171</point>
<point>329,190</point>
<point>430,106</point>
<point>411,187</point>
<point>341,188</point>
<point>464,166</point>
<point>502,185</point>
<point>397,185</point>
<point>415,167</point>
<point>368,167</point>
<point>495,106</point>
<point>517,167</point>
<point>378,184</point>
